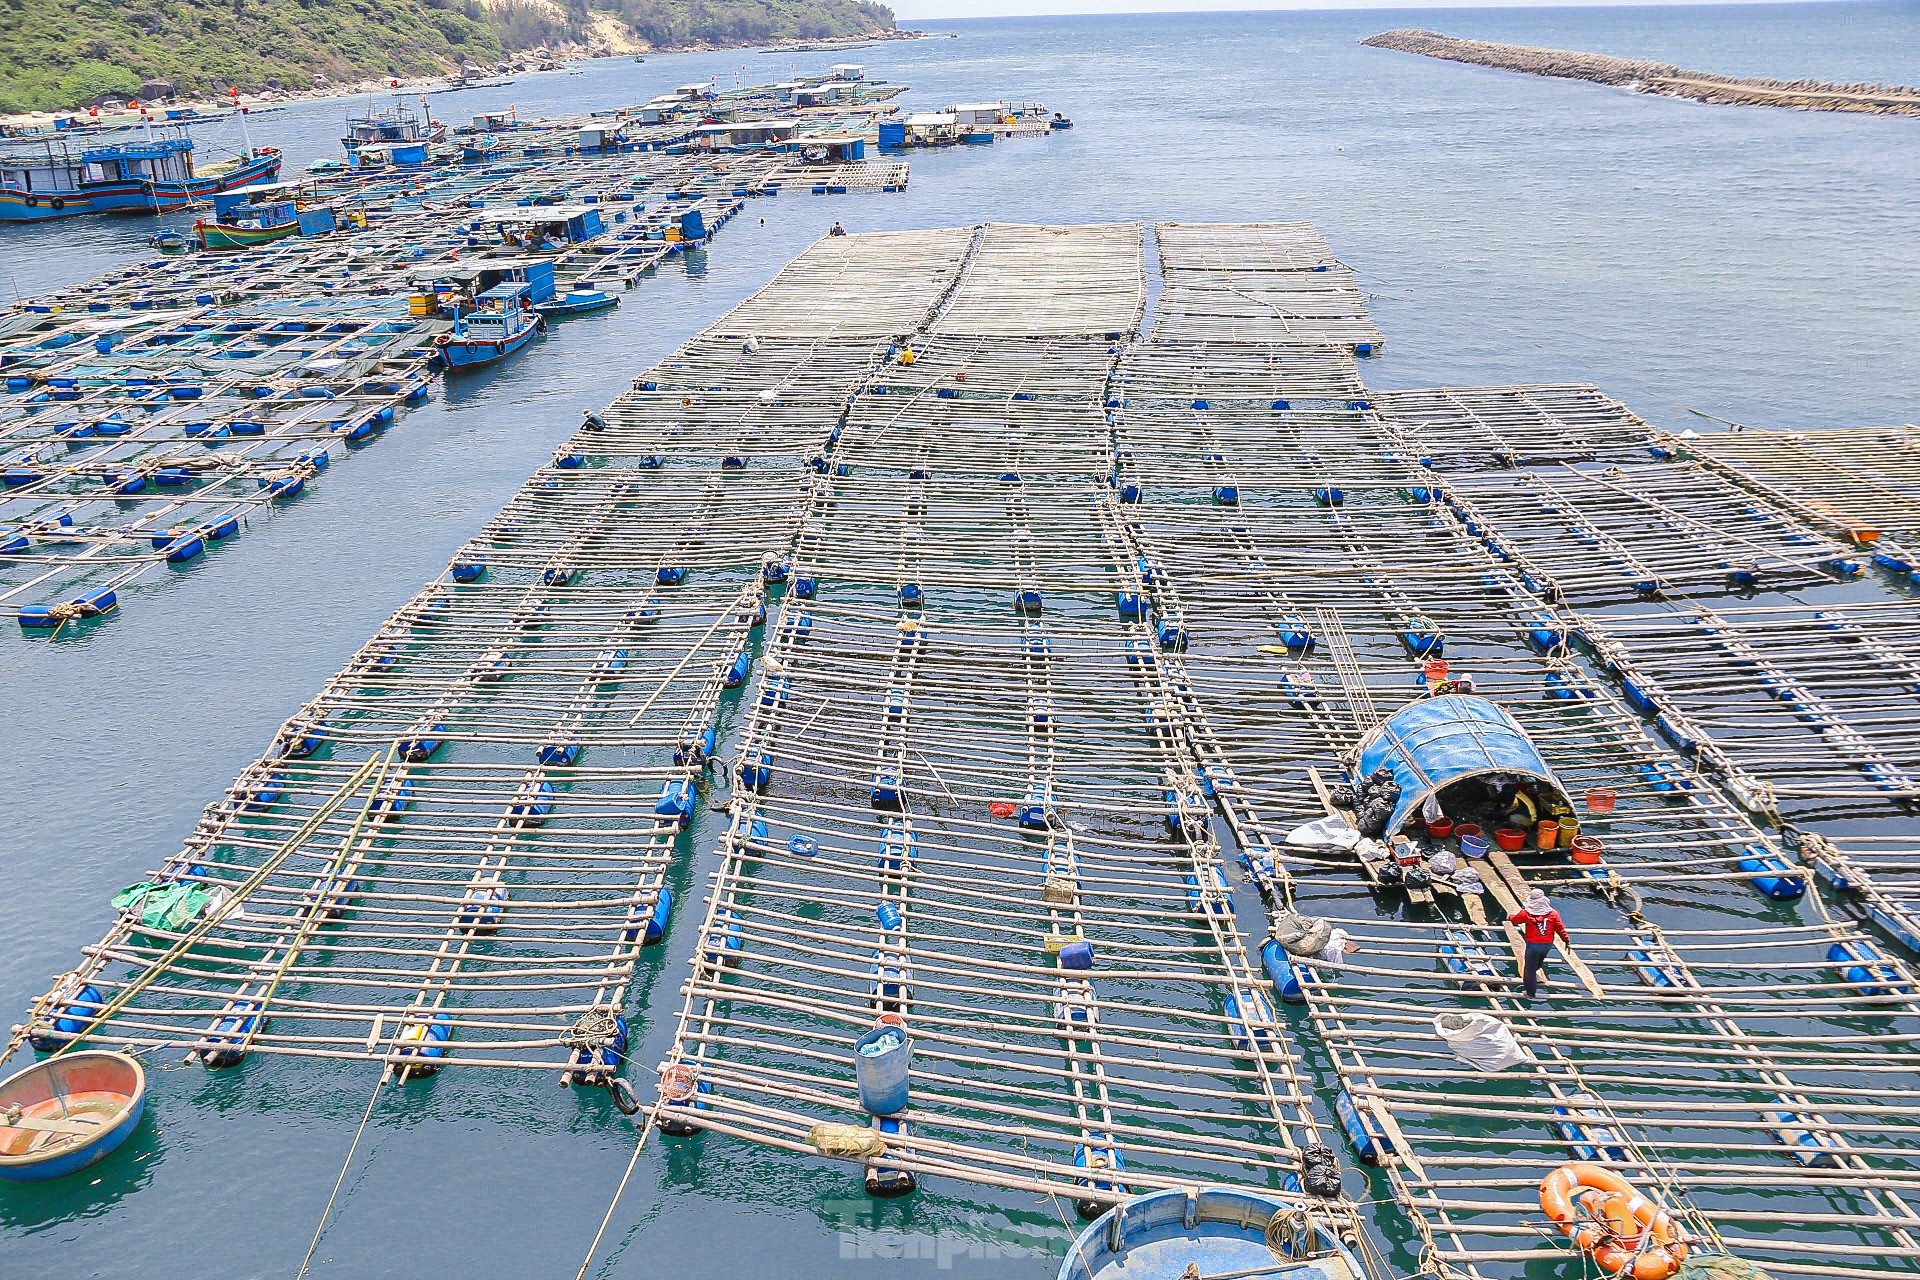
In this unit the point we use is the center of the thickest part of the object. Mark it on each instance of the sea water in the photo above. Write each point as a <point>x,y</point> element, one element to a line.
<point>1756,265</point>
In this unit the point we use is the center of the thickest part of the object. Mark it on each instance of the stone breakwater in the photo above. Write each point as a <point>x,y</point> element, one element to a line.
<point>1658,77</point>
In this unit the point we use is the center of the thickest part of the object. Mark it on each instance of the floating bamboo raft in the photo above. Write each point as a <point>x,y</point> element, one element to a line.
<point>1858,483</point>
<point>1047,634</point>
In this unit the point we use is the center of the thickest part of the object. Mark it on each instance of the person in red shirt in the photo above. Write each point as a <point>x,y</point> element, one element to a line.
<point>1541,926</point>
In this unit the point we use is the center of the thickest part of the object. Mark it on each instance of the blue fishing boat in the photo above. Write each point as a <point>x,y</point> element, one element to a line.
<point>1218,1231</point>
<point>48,178</point>
<point>503,321</point>
<point>581,303</point>
<point>59,1116</point>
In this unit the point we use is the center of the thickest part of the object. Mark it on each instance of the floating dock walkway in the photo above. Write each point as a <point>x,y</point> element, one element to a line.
<point>1016,633</point>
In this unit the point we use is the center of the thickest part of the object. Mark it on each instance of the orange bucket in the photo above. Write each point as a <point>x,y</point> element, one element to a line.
<point>1586,850</point>
<point>1547,834</point>
<point>1600,801</point>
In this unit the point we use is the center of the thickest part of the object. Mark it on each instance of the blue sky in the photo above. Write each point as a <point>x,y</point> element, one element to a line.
<point>907,10</point>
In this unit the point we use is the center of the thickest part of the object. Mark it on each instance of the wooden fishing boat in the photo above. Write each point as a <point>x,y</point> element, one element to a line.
<point>395,127</point>
<point>152,174</point>
<point>503,322</point>
<point>249,218</point>
<point>580,303</point>
<point>219,236</point>
<point>61,1115</point>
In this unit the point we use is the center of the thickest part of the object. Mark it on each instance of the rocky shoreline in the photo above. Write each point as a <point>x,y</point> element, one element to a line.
<point>523,62</point>
<point>1658,77</point>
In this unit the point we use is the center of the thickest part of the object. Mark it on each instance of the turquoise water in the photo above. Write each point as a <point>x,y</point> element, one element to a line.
<point>1756,265</point>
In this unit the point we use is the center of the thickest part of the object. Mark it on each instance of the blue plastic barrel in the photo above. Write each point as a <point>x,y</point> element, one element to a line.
<point>882,1064</point>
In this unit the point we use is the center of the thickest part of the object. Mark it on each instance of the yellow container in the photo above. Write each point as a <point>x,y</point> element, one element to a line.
<point>1055,941</point>
<point>673,233</point>
<point>421,305</point>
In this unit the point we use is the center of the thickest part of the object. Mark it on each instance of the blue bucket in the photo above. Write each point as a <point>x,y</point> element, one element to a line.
<point>1474,847</point>
<point>882,1062</point>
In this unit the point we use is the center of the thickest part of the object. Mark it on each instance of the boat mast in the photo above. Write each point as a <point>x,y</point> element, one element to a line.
<point>246,137</point>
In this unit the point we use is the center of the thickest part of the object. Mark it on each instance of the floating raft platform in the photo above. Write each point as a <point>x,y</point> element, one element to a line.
<point>999,633</point>
<point>146,417</point>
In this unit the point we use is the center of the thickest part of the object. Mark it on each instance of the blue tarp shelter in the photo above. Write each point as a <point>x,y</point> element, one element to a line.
<point>1433,744</point>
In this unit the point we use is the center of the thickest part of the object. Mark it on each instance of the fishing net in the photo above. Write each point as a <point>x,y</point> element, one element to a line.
<point>1719,1266</point>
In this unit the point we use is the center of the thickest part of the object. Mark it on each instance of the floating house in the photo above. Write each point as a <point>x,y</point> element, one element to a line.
<point>978,113</point>
<point>829,148</point>
<point>50,178</point>
<point>921,129</point>
<point>454,287</point>
<point>537,228</point>
<point>1462,750</point>
<point>847,71</point>
<point>746,135</point>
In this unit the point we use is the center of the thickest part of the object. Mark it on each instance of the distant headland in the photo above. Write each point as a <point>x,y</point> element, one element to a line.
<point>1658,77</point>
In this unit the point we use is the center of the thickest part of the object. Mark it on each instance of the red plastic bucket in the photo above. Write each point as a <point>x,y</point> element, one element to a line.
<point>1512,839</point>
<point>1440,829</point>
<point>1586,850</point>
<point>1600,801</point>
<point>1436,670</point>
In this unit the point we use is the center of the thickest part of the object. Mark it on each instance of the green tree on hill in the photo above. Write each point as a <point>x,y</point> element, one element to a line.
<point>53,56</point>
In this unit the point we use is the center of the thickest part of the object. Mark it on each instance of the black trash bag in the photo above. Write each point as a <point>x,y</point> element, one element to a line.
<point>1418,877</point>
<point>1342,796</point>
<point>1320,1172</point>
<point>1390,873</point>
<point>1373,816</point>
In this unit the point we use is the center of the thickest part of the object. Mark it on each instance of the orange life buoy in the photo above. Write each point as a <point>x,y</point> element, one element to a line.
<point>1622,1230</point>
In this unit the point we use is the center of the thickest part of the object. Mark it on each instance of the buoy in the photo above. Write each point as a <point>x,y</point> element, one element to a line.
<point>1620,1229</point>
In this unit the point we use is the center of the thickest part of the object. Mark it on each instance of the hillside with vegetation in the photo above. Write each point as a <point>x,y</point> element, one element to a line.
<point>54,56</point>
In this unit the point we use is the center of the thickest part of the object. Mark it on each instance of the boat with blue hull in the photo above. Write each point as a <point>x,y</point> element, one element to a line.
<point>1213,1231</point>
<point>578,303</point>
<point>48,178</point>
<point>502,321</point>
<point>63,1114</point>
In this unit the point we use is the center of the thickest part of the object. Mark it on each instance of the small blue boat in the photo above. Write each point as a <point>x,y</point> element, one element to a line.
<point>503,322</point>
<point>1218,1231</point>
<point>582,303</point>
<point>59,1116</point>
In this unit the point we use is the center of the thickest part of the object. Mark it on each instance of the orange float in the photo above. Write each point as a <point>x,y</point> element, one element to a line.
<point>1622,1230</point>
